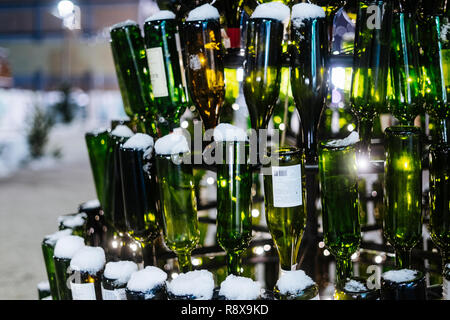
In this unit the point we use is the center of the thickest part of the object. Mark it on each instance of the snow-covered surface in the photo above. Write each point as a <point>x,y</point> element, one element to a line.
<point>229,132</point>
<point>122,24</point>
<point>240,288</point>
<point>43,285</point>
<point>198,283</point>
<point>304,11</point>
<point>161,15</point>
<point>51,239</point>
<point>73,221</point>
<point>203,12</point>
<point>66,247</point>
<point>293,282</point>
<point>91,204</point>
<point>120,271</point>
<point>401,275</point>
<point>355,286</point>
<point>172,143</point>
<point>146,279</point>
<point>122,131</point>
<point>139,141</point>
<point>88,259</point>
<point>272,10</point>
<point>352,138</point>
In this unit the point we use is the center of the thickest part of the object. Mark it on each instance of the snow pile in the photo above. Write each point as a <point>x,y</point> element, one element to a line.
<point>198,283</point>
<point>122,131</point>
<point>66,247</point>
<point>228,132</point>
<point>146,279</point>
<point>272,10</point>
<point>120,271</point>
<point>172,143</point>
<point>292,282</point>
<point>88,259</point>
<point>204,12</point>
<point>240,288</point>
<point>398,276</point>
<point>351,139</point>
<point>161,15</point>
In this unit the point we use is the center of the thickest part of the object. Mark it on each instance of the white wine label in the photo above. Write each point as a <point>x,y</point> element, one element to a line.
<point>157,72</point>
<point>83,291</point>
<point>180,58</point>
<point>287,186</point>
<point>117,294</point>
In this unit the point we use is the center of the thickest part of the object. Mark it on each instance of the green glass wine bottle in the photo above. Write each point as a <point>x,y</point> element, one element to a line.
<point>262,69</point>
<point>402,221</point>
<point>405,95</point>
<point>309,73</point>
<point>338,182</point>
<point>97,150</point>
<point>165,61</point>
<point>440,199</point>
<point>370,66</point>
<point>179,208</point>
<point>113,204</point>
<point>435,64</point>
<point>204,67</point>
<point>139,193</point>
<point>284,195</point>
<point>234,219</point>
<point>130,61</point>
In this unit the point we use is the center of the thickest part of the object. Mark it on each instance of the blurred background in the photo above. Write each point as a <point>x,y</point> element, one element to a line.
<point>57,80</point>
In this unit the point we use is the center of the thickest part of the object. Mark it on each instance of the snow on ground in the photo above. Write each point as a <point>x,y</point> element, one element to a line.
<point>31,199</point>
<point>33,194</point>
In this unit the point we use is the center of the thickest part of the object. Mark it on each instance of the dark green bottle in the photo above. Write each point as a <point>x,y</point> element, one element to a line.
<point>87,267</point>
<point>65,249</point>
<point>440,199</point>
<point>284,196</point>
<point>139,195</point>
<point>48,247</point>
<point>338,182</point>
<point>330,7</point>
<point>234,219</point>
<point>262,69</point>
<point>405,94</point>
<point>113,206</point>
<point>96,142</point>
<point>370,65</point>
<point>435,62</point>
<point>165,61</point>
<point>309,77</point>
<point>402,221</point>
<point>131,66</point>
